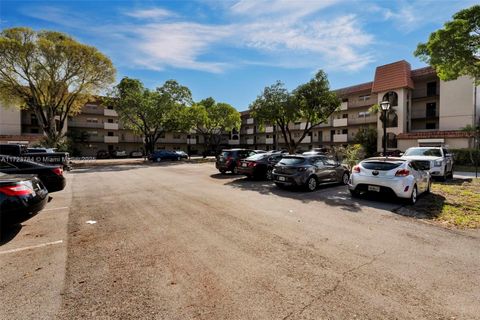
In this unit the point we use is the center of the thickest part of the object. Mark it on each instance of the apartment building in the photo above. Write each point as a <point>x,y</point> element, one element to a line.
<point>424,111</point>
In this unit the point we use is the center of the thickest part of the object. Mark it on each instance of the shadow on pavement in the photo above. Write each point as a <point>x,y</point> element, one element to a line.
<point>125,167</point>
<point>8,233</point>
<point>334,195</point>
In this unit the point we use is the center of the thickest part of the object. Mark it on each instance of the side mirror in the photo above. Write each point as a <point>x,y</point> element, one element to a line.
<point>401,154</point>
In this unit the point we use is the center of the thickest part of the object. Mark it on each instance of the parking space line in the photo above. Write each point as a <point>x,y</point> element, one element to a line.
<point>32,247</point>
<point>59,208</point>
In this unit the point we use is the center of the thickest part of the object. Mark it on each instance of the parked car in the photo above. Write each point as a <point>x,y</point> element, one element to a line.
<point>273,159</point>
<point>136,154</point>
<point>51,176</point>
<point>403,178</point>
<point>21,197</point>
<point>103,154</point>
<point>309,171</point>
<point>228,159</point>
<point>182,154</point>
<point>49,158</point>
<point>161,155</point>
<point>260,151</point>
<point>255,166</point>
<point>41,150</point>
<point>441,161</point>
<point>118,154</point>
<point>314,153</point>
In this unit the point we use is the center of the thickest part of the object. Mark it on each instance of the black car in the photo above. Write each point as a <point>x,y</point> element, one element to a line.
<point>260,165</point>
<point>51,176</point>
<point>229,159</point>
<point>21,197</point>
<point>161,155</point>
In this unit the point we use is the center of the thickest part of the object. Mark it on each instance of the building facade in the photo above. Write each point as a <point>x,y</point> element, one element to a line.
<point>424,111</point>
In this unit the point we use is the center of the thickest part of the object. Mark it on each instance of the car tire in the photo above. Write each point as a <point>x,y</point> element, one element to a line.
<point>158,159</point>
<point>235,170</point>
<point>269,174</point>
<point>222,171</point>
<point>429,186</point>
<point>450,175</point>
<point>279,185</point>
<point>445,175</point>
<point>178,158</point>
<point>413,197</point>
<point>354,193</point>
<point>311,184</point>
<point>345,178</point>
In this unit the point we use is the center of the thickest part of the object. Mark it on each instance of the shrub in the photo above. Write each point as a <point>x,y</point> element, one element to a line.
<point>466,157</point>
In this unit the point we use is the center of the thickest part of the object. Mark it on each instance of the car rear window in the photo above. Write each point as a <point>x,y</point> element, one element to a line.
<point>226,153</point>
<point>258,156</point>
<point>380,165</point>
<point>288,161</point>
<point>423,152</point>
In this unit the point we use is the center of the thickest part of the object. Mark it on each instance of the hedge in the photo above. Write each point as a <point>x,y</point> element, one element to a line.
<point>463,157</point>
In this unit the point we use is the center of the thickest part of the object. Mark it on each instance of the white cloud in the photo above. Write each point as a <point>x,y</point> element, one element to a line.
<point>152,13</point>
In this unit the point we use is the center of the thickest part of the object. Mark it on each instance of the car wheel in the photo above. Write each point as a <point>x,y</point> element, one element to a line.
<point>222,171</point>
<point>311,184</point>
<point>450,175</point>
<point>429,186</point>
<point>345,178</point>
<point>281,186</point>
<point>178,158</point>
<point>158,159</point>
<point>414,195</point>
<point>269,174</point>
<point>355,194</point>
<point>235,170</point>
<point>445,175</point>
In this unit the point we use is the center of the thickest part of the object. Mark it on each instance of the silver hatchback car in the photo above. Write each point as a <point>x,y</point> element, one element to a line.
<point>402,177</point>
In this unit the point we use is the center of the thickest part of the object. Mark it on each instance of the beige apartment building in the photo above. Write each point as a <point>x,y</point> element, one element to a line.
<point>425,111</point>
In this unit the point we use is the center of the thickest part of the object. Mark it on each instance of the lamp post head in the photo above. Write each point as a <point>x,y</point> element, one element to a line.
<point>385,105</point>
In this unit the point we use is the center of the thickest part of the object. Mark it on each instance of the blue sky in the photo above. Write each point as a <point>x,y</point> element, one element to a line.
<point>231,50</point>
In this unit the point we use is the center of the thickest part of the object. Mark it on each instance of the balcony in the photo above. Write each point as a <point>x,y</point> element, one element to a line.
<point>307,139</point>
<point>340,122</point>
<point>269,141</point>
<point>233,142</point>
<point>191,141</point>
<point>363,120</point>
<point>344,105</point>
<point>299,126</point>
<point>110,126</point>
<point>110,139</point>
<point>110,113</point>
<point>82,124</point>
<point>250,131</point>
<point>250,121</point>
<point>249,141</point>
<point>340,137</point>
<point>268,129</point>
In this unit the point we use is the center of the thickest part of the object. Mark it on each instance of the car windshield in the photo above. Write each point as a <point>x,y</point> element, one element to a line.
<point>226,154</point>
<point>258,156</point>
<point>380,165</point>
<point>423,152</point>
<point>291,161</point>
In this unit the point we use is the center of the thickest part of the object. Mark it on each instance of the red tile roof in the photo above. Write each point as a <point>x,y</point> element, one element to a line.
<point>434,134</point>
<point>367,86</point>
<point>392,76</point>
<point>427,71</point>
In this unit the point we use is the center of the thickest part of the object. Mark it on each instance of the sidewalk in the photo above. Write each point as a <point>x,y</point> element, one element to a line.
<point>465,175</point>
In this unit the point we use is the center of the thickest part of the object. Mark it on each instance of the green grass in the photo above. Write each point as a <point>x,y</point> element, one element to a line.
<point>453,203</point>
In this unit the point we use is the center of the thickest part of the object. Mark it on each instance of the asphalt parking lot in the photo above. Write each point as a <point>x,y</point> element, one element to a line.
<point>181,241</point>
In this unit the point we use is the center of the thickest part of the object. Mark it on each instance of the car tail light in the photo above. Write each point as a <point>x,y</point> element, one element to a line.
<point>228,159</point>
<point>16,190</point>
<point>402,173</point>
<point>252,164</point>
<point>58,171</point>
<point>356,169</point>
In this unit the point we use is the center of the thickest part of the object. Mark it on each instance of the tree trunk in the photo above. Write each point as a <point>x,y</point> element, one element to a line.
<point>149,144</point>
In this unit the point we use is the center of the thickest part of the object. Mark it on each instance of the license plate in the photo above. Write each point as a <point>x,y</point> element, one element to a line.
<point>244,164</point>
<point>374,188</point>
<point>281,178</point>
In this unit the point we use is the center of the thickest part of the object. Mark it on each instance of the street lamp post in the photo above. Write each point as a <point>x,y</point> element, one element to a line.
<point>385,105</point>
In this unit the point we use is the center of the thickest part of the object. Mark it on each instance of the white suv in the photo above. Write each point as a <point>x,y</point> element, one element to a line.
<point>441,162</point>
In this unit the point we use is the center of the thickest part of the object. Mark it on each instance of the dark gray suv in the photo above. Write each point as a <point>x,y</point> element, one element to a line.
<point>309,171</point>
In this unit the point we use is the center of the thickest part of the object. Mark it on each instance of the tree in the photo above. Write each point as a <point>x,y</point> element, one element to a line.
<point>312,103</point>
<point>151,113</point>
<point>454,50</point>
<point>211,120</point>
<point>367,138</point>
<point>50,74</point>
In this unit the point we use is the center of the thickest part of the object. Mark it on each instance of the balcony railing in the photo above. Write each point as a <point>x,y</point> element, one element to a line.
<point>250,131</point>
<point>362,120</point>
<point>340,122</point>
<point>81,124</point>
<point>269,141</point>
<point>233,142</point>
<point>110,113</point>
<point>344,105</point>
<point>250,141</point>
<point>110,126</point>
<point>110,139</point>
<point>192,141</point>
<point>250,121</point>
<point>268,129</point>
<point>299,126</point>
<point>340,137</point>
<point>307,140</point>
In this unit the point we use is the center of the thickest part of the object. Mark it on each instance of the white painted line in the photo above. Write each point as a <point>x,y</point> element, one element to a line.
<point>32,247</point>
<point>59,208</point>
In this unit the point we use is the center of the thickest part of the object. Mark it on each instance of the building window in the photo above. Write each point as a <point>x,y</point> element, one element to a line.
<point>92,120</point>
<point>110,134</point>
<point>110,107</point>
<point>34,130</point>
<point>391,141</point>
<point>364,97</point>
<point>33,119</point>
<point>391,97</point>
<point>431,126</point>
<point>177,136</point>
<point>93,133</point>
<point>162,135</point>
<point>431,110</point>
<point>110,120</point>
<point>431,89</point>
<point>345,131</point>
<point>392,119</point>
<point>345,115</point>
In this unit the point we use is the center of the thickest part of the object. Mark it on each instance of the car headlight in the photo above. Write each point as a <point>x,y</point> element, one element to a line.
<point>437,163</point>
